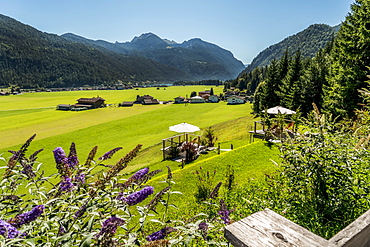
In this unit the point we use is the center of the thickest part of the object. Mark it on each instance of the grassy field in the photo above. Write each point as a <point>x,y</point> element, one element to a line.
<point>110,127</point>
<point>34,113</point>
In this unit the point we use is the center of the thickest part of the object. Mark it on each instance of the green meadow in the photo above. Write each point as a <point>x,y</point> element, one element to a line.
<point>34,113</point>
<point>22,116</point>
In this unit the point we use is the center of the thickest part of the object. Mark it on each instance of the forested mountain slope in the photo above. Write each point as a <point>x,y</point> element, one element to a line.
<point>200,59</point>
<point>308,41</point>
<point>30,58</point>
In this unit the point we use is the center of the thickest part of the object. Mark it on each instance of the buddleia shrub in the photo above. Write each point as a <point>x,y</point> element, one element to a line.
<point>89,203</point>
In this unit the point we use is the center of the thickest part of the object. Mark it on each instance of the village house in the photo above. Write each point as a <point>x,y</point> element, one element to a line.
<point>197,99</point>
<point>126,104</point>
<point>90,103</point>
<point>213,99</point>
<point>235,100</point>
<point>146,100</point>
<point>203,93</point>
<point>180,100</point>
<point>64,107</point>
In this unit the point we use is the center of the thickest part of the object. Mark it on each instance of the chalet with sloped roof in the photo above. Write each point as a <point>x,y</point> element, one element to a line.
<point>235,100</point>
<point>90,103</point>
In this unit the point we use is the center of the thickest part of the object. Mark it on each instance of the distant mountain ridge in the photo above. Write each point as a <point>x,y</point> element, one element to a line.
<point>308,41</point>
<point>200,59</point>
<point>31,58</point>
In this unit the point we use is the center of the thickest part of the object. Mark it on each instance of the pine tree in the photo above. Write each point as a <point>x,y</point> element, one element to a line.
<point>313,79</point>
<point>290,84</point>
<point>351,55</point>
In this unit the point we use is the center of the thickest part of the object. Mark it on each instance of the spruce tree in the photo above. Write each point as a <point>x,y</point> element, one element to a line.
<point>290,84</point>
<point>350,56</point>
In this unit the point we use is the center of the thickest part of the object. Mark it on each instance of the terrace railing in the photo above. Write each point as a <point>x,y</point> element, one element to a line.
<point>269,229</point>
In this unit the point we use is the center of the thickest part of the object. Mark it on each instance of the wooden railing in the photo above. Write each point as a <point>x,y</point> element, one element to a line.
<point>269,229</point>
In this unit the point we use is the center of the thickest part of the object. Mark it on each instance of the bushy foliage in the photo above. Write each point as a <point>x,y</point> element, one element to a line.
<point>90,204</point>
<point>322,182</point>
<point>209,137</point>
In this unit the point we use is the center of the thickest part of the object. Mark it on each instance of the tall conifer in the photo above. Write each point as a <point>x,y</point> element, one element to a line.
<point>351,55</point>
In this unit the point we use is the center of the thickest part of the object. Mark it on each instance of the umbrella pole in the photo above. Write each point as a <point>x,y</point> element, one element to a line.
<point>164,149</point>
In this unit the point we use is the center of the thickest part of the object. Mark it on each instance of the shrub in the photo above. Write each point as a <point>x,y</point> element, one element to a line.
<point>90,204</point>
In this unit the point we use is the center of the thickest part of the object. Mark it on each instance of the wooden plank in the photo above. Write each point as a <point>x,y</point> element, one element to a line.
<point>356,234</point>
<point>269,229</point>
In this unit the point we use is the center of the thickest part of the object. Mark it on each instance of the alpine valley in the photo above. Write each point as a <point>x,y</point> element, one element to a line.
<point>29,58</point>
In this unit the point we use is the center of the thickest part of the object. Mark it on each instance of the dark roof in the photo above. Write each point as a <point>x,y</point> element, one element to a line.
<point>150,101</point>
<point>127,103</point>
<point>92,100</point>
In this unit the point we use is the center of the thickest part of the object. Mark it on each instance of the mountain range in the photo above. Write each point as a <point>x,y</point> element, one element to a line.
<point>31,58</point>
<point>200,59</point>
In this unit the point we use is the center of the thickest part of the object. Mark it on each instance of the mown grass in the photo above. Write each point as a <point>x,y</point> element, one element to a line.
<point>52,99</point>
<point>108,127</point>
<point>249,162</point>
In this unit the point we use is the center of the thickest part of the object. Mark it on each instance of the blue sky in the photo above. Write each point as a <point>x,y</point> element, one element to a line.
<point>244,27</point>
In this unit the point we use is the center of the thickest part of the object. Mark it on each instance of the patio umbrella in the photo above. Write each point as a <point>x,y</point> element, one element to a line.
<point>279,109</point>
<point>184,128</point>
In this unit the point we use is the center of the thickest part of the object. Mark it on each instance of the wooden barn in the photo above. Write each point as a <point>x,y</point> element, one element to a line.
<point>90,103</point>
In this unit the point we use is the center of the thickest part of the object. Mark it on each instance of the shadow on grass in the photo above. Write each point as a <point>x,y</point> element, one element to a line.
<point>270,145</point>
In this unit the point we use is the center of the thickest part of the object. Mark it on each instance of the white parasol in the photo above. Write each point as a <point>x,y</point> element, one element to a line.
<point>279,109</point>
<point>184,128</point>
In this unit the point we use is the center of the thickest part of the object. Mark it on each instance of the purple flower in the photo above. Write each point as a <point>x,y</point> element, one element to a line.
<point>203,226</point>
<point>27,217</point>
<point>161,234</point>
<point>60,155</point>
<point>224,213</point>
<point>61,231</point>
<point>110,225</point>
<point>80,179</point>
<point>28,170</point>
<point>72,160</point>
<point>140,174</point>
<point>7,230</point>
<point>109,154</point>
<point>138,196</point>
<point>80,212</point>
<point>66,184</point>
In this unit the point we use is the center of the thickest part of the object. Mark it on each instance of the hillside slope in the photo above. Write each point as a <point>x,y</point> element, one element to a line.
<point>30,58</point>
<point>308,41</point>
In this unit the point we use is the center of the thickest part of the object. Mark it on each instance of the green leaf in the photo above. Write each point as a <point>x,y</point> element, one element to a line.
<point>86,241</point>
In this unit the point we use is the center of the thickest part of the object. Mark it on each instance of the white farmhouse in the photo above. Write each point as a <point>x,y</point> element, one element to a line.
<point>234,100</point>
<point>213,99</point>
<point>197,99</point>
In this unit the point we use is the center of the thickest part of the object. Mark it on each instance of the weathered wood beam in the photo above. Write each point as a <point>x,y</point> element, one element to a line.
<point>356,234</point>
<point>269,229</point>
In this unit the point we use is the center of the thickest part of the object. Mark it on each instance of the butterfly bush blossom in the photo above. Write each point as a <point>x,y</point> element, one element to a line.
<point>161,234</point>
<point>224,212</point>
<point>28,217</point>
<point>110,226</point>
<point>66,184</point>
<point>7,230</point>
<point>140,174</point>
<point>138,196</point>
<point>59,155</point>
<point>109,154</point>
<point>80,179</point>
